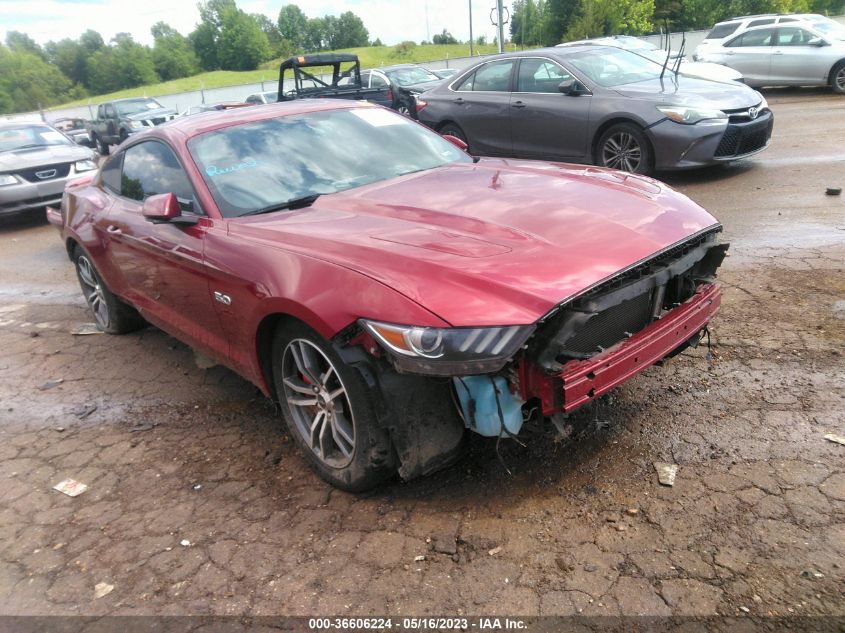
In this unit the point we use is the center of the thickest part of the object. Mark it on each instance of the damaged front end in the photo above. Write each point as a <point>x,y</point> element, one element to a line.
<point>433,383</point>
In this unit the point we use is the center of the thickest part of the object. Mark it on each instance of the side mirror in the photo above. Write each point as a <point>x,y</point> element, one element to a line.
<point>817,41</point>
<point>162,207</point>
<point>572,87</point>
<point>454,140</point>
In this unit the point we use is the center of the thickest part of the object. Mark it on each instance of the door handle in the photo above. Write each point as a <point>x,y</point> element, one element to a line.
<point>729,52</point>
<point>778,53</point>
<point>518,104</point>
<point>111,229</point>
<point>459,100</point>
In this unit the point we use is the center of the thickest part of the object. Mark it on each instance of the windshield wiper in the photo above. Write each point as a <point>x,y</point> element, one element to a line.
<point>293,203</point>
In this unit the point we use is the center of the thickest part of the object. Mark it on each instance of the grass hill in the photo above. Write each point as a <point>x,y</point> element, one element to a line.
<point>370,56</point>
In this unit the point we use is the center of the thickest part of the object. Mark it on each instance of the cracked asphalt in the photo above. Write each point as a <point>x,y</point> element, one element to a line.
<point>198,502</point>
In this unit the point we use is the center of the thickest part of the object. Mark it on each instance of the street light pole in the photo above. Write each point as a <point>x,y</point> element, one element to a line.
<point>470,29</point>
<point>501,25</point>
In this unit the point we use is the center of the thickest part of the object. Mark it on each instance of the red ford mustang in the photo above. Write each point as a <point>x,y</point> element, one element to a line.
<point>388,289</point>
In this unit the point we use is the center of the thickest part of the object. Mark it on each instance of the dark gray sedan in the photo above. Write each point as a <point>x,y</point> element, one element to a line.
<point>596,104</point>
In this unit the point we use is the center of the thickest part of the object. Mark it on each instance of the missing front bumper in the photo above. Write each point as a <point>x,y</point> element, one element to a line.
<point>580,381</point>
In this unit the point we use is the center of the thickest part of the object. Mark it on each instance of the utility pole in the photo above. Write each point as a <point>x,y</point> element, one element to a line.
<point>470,29</point>
<point>499,23</point>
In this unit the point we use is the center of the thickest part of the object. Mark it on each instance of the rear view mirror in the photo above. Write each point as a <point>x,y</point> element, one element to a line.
<point>162,207</point>
<point>454,140</point>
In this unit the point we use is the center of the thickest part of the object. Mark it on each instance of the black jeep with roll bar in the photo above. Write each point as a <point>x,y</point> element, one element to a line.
<point>338,76</point>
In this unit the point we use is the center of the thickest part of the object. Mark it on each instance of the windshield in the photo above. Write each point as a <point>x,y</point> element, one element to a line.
<point>831,28</point>
<point>25,136</point>
<point>134,107</point>
<point>409,76</point>
<point>265,163</point>
<point>614,67</point>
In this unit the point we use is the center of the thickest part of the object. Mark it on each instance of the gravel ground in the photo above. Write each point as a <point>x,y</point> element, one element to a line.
<point>198,503</point>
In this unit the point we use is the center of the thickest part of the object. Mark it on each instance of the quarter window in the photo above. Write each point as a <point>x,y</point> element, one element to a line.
<point>721,31</point>
<point>151,168</point>
<point>540,75</point>
<point>378,81</point>
<point>110,175</point>
<point>761,22</point>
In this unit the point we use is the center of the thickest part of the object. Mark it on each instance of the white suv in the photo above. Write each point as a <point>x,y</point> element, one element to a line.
<point>722,31</point>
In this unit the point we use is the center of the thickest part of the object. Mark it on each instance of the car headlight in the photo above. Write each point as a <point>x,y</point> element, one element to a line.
<point>763,103</point>
<point>7,179</point>
<point>84,165</point>
<point>136,125</point>
<point>691,116</point>
<point>449,351</point>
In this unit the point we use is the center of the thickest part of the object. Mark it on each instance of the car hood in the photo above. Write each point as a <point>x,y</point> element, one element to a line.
<point>493,243</point>
<point>150,114</point>
<point>36,156</point>
<point>712,72</point>
<point>691,91</point>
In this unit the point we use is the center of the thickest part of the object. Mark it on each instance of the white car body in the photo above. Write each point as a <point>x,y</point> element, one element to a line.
<point>793,54</point>
<point>728,29</point>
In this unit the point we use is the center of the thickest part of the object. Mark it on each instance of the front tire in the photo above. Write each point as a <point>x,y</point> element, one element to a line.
<point>625,147</point>
<point>110,313</point>
<point>328,411</point>
<point>837,78</point>
<point>102,147</point>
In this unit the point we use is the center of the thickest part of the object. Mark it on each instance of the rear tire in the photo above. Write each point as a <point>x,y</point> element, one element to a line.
<point>328,410</point>
<point>837,78</point>
<point>110,313</point>
<point>625,147</point>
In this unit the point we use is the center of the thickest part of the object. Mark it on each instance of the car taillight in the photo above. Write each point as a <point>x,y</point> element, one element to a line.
<point>421,104</point>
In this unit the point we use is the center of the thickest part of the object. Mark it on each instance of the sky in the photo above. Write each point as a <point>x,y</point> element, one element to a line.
<point>390,20</point>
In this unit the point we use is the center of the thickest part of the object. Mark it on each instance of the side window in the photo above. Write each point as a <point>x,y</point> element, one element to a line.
<point>540,75</point>
<point>101,111</point>
<point>110,174</point>
<point>252,99</point>
<point>365,79</point>
<point>466,84</point>
<point>110,113</point>
<point>494,77</point>
<point>782,20</point>
<point>378,81</point>
<point>793,36</point>
<point>761,22</point>
<point>722,30</point>
<point>763,37</point>
<point>150,168</point>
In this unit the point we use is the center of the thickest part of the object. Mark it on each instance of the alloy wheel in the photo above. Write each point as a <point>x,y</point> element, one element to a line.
<point>93,292</point>
<point>839,79</point>
<point>622,151</point>
<point>403,109</point>
<point>318,402</point>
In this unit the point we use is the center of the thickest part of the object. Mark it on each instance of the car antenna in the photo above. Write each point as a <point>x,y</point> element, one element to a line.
<point>682,51</point>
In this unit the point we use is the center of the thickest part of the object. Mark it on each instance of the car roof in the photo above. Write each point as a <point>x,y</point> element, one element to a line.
<point>397,67</point>
<point>183,128</point>
<point>802,23</point>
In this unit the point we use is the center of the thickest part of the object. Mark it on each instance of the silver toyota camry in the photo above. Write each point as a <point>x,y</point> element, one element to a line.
<point>792,54</point>
<point>36,161</point>
<point>597,104</point>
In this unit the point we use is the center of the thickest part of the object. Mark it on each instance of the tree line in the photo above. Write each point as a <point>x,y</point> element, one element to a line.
<point>226,38</point>
<point>550,22</point>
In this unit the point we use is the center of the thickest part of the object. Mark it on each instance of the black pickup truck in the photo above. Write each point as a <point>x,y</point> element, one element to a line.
<point>328,76</point>
<point>117,119</point>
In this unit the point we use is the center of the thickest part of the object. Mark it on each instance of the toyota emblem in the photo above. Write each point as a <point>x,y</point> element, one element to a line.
<point>753,112</point>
